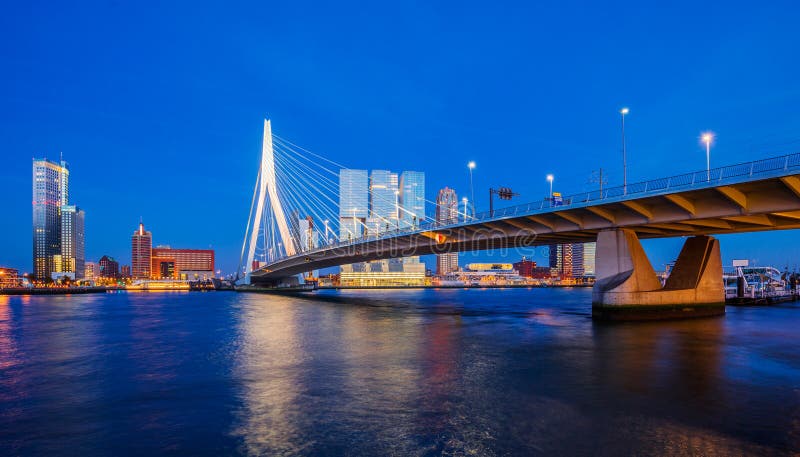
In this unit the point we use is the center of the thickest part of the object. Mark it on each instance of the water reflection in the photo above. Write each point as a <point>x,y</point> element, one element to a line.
<point>390,373</point>
<point>270,366</point>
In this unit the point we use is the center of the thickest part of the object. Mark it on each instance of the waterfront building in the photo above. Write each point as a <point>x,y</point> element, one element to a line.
<point>483,274</point>
<point>384,273</point>
<point>73,242</point>
<point>50,194</point>
<point>91,271</point>
<point>109,268</point>
<point>572,260</point>
<point>184,264</point>
<point>353,202</point>
<point>446,213</point>
<point>412,198</point>
<point>9,277</point>
<point>561,261</point>
<point>141,253</point>
<point>125,271</point>
<point>589,252</point>
<point>370,203</point>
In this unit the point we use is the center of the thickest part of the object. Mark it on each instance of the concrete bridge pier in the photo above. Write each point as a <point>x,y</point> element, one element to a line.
<point>628,288</point>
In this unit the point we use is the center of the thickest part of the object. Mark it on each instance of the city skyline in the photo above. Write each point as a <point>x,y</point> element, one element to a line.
<point>675,90</point>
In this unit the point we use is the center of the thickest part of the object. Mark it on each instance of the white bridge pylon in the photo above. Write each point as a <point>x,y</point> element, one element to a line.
<point>266,186</point>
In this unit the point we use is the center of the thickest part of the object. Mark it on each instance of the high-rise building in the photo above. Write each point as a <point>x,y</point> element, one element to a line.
<point>446,213</point>
<point>73,244</point>
<point>50,193</point>
<point>589,250</point>
<point>412,197</point>
<point>109,268</point>
<point>371,204</point>
<point>384,201</point>
<point>353,202</point>
<point>561,260</point>
<point>572,260</point>
<point>141,253</point>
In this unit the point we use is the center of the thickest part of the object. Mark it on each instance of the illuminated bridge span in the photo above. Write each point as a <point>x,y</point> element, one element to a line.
<point>754,196</point>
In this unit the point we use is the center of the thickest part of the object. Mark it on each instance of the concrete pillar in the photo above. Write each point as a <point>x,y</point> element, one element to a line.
<point>627,287</point>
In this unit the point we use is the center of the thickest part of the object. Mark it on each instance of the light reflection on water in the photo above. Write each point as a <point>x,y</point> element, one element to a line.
<point>422,372</point>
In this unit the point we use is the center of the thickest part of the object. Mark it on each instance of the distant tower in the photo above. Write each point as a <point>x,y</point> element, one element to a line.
<point>141,253</point>
<point>73,242</point>
<point>446,213</point>
<point>50,192</point>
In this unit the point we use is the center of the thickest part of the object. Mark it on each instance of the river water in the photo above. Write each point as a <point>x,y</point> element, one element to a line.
<point>398,372</point>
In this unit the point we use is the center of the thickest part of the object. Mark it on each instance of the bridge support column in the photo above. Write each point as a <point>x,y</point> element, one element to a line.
<point>628,288</point>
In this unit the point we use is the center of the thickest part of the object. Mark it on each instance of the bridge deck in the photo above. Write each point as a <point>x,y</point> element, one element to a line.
<point>754,196</point>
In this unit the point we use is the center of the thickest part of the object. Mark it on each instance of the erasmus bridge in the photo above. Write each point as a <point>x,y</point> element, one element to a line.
<point>294,184</point>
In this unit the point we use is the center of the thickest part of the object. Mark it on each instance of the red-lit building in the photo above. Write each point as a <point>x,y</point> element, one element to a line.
<point>190,264</point>
<point>141,252</point>
<point>528,269</point>
<point>9,277</point>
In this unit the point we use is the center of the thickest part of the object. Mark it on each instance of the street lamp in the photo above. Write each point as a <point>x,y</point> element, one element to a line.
<point>354,222</point>
<point>707,138</point>
<point>623,112</point>
<point>550,180</point>
<point>397,207</point>
<point>471,166</point>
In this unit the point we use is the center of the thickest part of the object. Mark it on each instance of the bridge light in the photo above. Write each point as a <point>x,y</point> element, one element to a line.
<point>471,165</point>
<point>624,111</point>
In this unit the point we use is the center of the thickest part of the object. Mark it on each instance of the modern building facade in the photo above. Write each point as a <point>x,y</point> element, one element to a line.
<point>50,194</point>
<point>141,253</point>
<point>91,271</point>
<point>575,260</point>
<point>9,277</point>
<point>446,213</point>
<point>109,268</point>
<point>384,202</point>
<point>353,202</point>
<point>373,203</point>
<point>73,242</point>
<point>412,197</point>
<point>186,264</point>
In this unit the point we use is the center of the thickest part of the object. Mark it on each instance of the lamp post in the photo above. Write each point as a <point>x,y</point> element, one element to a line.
<point>550,180</point>
<point>397,207</point>
<point>471,166</point>
<point>707,138</point>
<point>623,112</point>
<point>354,222</point>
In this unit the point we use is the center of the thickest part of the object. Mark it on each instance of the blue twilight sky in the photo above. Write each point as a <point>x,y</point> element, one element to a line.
<point>158,106</point>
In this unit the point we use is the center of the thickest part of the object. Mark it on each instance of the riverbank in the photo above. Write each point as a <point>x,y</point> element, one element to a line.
<point>54,290</point>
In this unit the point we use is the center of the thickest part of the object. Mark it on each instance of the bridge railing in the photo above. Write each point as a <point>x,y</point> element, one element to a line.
<point>694,180</point>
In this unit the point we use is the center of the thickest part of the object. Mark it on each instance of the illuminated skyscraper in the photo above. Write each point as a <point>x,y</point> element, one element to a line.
<point>73,244</point>
<point>384,201</point>
<point>141,253</point>
<point>353,202</point>
<point>50,193</point>
<point>412,197</point>
<point>446,213</point>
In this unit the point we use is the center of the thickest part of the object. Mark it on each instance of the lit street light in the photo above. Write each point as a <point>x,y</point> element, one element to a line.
<point>471,166</point>
<point>550,180</point>
<point>707,138</point>
<point>623,112</point>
